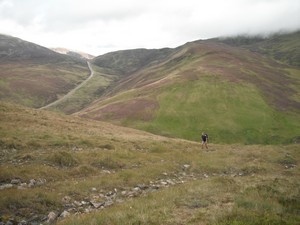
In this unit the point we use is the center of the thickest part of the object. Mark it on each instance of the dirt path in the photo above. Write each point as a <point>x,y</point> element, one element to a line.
<point>72,91</point>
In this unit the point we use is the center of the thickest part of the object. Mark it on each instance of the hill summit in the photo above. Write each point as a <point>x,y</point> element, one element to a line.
<point>86,169</point>
<point>239,89</point>
<point>33,75</point>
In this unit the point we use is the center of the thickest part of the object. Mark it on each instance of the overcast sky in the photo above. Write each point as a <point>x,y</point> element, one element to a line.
<point>100,26</point>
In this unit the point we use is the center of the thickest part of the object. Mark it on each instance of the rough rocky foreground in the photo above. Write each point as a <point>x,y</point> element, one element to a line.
<point>100,199</point>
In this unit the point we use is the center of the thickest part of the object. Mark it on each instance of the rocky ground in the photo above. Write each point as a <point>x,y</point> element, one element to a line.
<point>100,199</point>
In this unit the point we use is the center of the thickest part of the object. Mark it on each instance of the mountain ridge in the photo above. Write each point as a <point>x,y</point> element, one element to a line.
<point>165,90</point>
<point>33,75</point>
<point>13,48</point>
<point>283,47</point>
<point>73,169</point>
<point>128,61</point>
<point>139,99</point>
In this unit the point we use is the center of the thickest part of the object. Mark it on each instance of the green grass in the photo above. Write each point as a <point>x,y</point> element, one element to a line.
<point>266,204</point>
<point>295,74</point>
<point>228,112</point>
<point>231,183</point>
<point>88,93</point>
<point>232,95</point>
<point>216,200</point>
<point>35,85</point>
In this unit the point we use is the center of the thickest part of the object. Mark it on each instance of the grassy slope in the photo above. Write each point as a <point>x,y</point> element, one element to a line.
<point>36,85</point>
<point>260,72</point>
<point>34,76</point>
<point>228,184</point>
<point>229,112</point>
<point>234,95</point>
<point>216,200</point>
<point>128,61</point>
<point>88,93</point>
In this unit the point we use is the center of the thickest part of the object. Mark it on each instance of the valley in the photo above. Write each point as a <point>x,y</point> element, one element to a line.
<point>232,93</point>
<point>116,139</point>
<point>35,76</point>
<point>73,90</point>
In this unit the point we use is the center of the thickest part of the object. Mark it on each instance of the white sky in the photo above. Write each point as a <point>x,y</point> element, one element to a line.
<point>100,26</point>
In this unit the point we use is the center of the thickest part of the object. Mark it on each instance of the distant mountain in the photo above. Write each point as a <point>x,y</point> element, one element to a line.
<point>16,49</point>
<point>33,75</point>
<point>237,90</point>
<point>128,61</point>
<point>235,94</point>
<point>81,55</point>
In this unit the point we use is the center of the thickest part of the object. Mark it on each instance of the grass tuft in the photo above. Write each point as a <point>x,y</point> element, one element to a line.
<point>63,159</point>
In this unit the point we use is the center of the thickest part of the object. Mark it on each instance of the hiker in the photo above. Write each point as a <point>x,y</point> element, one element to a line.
<point>204,140</point>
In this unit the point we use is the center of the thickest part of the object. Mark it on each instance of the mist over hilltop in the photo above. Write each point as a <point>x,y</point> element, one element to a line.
<point>98,27</point>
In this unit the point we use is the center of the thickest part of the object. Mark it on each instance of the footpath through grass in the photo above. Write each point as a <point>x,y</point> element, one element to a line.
<point>88,93</point>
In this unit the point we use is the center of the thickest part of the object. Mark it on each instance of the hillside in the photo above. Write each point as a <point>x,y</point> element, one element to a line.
<point>92,90</point>
<point>128,61</point>
<point>33,75</point>
<point>234,94</point>
<point>108,70</point>
<point>281,47</point>
<point>234,89</point>
<point>76,171</point>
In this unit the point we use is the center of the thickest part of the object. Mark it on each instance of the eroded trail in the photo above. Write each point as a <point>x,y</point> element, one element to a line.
<point>72,91</point>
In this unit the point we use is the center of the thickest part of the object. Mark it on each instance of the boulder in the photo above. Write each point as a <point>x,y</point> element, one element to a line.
<point>65,214</point>
<point>51,217</point>
<point>15,181</point>
<point>5,186</point>
<point>40,182</point>
<point>97,204</point>
<point>32,182</point>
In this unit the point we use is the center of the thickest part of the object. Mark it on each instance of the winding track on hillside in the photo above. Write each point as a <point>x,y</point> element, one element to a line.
<point>73,90</point>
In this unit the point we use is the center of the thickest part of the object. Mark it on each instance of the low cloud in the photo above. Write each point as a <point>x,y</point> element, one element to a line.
<point>99,26</point>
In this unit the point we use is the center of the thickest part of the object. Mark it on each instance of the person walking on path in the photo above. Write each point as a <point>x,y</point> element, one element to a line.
<point>204,140</point>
